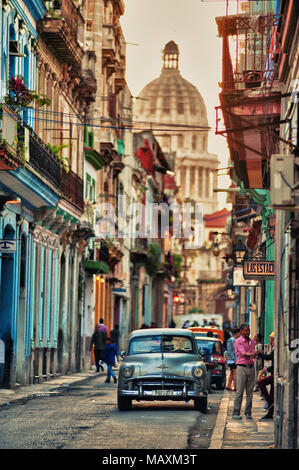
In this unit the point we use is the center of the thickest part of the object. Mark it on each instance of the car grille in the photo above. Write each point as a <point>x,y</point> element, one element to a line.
<point>165,384</point>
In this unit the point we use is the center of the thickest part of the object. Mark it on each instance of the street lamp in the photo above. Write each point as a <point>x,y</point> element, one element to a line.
<point>239,252</point>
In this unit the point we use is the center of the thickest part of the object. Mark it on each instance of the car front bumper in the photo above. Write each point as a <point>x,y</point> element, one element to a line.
<point>158,388</point>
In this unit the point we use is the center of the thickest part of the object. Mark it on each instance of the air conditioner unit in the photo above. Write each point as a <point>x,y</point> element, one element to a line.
<point>282,169</point>
<point>15,49</point>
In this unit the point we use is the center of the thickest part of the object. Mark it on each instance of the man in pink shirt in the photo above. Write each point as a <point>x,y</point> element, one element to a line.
<point>245,353</point>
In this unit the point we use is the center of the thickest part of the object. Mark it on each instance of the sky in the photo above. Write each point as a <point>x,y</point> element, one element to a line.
<point>191,24</point>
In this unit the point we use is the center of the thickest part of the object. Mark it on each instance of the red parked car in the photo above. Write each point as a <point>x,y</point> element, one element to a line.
<point>212,351</point>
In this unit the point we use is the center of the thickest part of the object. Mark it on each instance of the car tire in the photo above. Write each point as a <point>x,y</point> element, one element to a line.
<point>220,384</point>
<point>201,404</point>
<point>124,403</point>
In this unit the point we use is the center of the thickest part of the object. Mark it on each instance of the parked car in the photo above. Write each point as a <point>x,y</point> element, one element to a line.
<point>162,364</point>
<point>207,330</point>
<point>212,351</point>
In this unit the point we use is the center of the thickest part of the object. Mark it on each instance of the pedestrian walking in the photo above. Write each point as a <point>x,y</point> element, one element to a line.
<point>103,327</point>
<point>231,360</point>
<point>259,362</point>
<point>227,336</point>
<point>98,340</point>
<point>110,354</point>
<point>114,335</point>
<point>268,380</point>
<point>245,353</point>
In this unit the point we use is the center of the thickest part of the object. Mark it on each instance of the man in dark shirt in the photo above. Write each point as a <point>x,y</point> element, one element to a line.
<point>98,339</point>
<point>268,380</point>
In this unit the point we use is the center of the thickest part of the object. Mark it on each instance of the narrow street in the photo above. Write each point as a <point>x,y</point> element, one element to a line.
<point>84,415</point>
<point>149,221</point>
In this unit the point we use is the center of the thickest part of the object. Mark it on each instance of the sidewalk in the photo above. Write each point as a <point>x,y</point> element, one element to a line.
<point>8,396</point>
<point>242,434</point>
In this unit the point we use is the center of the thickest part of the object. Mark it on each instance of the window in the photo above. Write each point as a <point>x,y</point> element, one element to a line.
<point>157,343</point>
<point>87,185</point>
<point>90,188</point>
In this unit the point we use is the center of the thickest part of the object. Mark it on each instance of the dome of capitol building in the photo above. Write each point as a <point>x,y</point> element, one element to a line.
<point>176,111</point>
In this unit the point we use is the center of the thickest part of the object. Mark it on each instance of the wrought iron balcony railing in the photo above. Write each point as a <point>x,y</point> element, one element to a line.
<point>43,160</point>
<point>71,186</point>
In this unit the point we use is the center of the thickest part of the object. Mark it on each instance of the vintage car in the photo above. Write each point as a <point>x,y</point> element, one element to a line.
<point>207,331</point>
<point>212,351</point>
<point>162,364</point>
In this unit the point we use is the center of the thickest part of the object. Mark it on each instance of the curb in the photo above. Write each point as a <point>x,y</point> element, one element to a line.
<point>217,436</point>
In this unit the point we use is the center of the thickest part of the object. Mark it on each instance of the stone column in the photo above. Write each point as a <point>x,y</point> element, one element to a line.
<point>196,183</point>
<point>187,184</point>
<point>203,190</point>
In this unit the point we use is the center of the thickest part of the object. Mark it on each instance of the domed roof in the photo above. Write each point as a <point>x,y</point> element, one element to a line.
<point>170,98</point>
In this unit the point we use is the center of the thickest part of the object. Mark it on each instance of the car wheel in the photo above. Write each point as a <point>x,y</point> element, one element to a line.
<point>124,403</point>
<point>201,404</point>
<point>220,384</point>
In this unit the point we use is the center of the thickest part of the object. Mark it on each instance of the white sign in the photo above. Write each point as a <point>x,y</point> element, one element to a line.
<point>238,278</point>
<point>8,246</point>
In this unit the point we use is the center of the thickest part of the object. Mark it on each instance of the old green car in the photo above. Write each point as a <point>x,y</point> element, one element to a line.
<point>162,364</point>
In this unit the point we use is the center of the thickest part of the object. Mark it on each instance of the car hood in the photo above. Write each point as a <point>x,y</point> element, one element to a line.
<point>168,364</point>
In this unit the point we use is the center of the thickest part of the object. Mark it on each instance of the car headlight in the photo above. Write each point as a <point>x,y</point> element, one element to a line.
<point>127,371</point>
<point>197,372</point>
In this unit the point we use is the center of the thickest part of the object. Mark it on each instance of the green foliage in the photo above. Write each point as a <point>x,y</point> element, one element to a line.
<point>57,149</point>
<point>153,259</point>
<point>177,265</point>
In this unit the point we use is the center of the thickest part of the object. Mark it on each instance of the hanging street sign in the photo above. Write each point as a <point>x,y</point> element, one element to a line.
<point>258,269</point>
<point>8,246</point>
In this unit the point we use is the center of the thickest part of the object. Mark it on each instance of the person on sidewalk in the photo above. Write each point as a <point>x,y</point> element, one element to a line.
<point>245,353</point>
<point>268,380</point>
<point>259,363</point>
<point>110,354</point>
<point>98,340</point>
<point>103,327</point>
<point>231,359</point>
<point>114,335</point>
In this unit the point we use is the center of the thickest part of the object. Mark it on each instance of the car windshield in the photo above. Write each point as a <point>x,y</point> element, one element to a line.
<point>209,347</point>
<point>158,343</point>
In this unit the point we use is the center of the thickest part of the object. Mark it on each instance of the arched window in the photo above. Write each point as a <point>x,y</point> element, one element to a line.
<point>12,59</point>
<point>26,75</point>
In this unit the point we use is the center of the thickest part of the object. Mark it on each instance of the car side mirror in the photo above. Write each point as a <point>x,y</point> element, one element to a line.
<point>123,354</point>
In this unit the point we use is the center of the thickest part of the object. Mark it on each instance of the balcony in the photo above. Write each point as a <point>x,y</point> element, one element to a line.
<point>249,117</point>
<point>71,186</point>
<point>43,160</point>
<point>108,47</point>
<point>10,157</point>
<point>61,31</point>
<point>120,80</point>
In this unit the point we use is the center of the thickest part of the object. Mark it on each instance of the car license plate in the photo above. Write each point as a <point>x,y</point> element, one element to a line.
<point>162,393</point>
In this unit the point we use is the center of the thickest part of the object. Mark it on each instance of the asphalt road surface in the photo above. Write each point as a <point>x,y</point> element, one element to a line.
<point>86,416</point>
